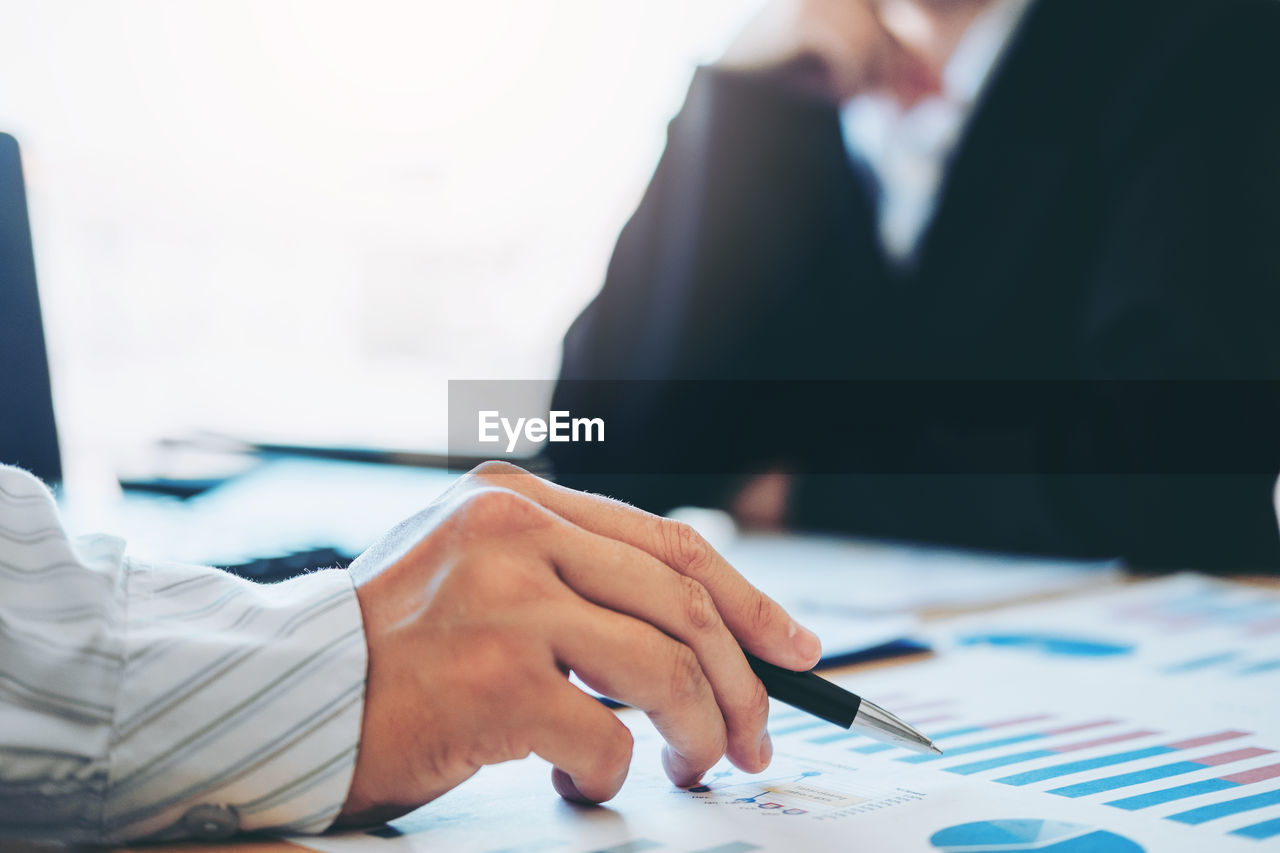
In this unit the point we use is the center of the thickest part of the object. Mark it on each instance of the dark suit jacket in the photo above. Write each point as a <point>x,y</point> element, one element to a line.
<point>1112,211</point>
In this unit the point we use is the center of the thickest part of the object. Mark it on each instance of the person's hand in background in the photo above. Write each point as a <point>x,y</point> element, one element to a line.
<point>844,48</point>
<point>761,503</point>
<point>476,609</point>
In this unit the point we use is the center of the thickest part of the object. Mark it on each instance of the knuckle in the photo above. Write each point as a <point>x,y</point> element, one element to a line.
<point>510,580</point>
<point>704,753</point>
<point>716,749</point>
<point>496,502</point>
<point>494,509</point>
<point>489,661</point>
<point>762,613</point>
<point>496,468</point>
<point>503,746</point>
<point>687,680</point>
<point>684,547</point>
<point>757,703</point>
<point>499,675</point>
<point>524,584</point>
<point>614,753</point>
<point>504,579</point>
<point>700,607</point>
<point>514,748</point>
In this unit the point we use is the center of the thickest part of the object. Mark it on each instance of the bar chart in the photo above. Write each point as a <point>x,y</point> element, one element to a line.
<point>1207,786</point>
<point>1111,761</point>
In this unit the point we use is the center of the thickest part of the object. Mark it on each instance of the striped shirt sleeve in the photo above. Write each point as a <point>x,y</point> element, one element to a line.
<point>143,700</point>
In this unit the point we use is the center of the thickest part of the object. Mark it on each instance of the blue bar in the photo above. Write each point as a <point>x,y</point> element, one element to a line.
<point>833,737</point>
<point>872,748</point>
<point>1230,807</point>
<point>1078,766</point>
<point>1258,668</point>
<point>1200,663</point>
<point>1168,795</point>
<point>979,766</point>
<point>1266,829</point>
<point>1124,780</point>
<point>799,727</point>
<point>973,747</point>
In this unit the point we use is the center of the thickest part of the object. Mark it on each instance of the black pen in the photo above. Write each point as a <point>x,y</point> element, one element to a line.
<point>811,692</point>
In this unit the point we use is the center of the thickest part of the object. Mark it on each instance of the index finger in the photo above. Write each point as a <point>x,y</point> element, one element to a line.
<point>757,621</point>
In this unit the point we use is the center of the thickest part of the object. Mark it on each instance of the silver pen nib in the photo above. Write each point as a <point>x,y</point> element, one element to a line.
<point>875,722</point>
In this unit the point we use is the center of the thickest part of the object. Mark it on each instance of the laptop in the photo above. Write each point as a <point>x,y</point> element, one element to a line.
<point>284,516</point>
<point>28,431</point>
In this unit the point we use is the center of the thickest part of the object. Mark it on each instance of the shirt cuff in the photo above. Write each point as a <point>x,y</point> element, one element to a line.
<point>240,704</point>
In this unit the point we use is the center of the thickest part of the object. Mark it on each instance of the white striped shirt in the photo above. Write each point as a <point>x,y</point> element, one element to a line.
<point>143,700</point>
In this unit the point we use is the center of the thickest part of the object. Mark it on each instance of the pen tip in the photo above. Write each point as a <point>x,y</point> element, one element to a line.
<point>934,749</point>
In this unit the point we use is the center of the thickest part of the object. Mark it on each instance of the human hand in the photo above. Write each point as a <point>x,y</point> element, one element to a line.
<point>761,503</point>
<point>476,609</point>
<point>845,41</point>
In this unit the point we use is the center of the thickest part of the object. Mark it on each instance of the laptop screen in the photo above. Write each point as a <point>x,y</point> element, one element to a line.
<point>28,435</point>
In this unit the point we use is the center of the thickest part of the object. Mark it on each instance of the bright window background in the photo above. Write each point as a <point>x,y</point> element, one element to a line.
<point>297,220</point>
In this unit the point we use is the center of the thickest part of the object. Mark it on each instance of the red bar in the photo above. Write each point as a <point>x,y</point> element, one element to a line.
<point>1102,741</point>
<point>1266,626</point>
<point>1228,757</point>
<point>1257,774</point>
<point>1080,727</point>
<point>1207,739</point>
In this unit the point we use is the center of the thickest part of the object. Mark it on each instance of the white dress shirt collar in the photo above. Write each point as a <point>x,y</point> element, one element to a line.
<point>907,149</point>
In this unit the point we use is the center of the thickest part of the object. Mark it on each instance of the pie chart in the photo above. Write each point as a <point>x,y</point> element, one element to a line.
<point>1025,836</point>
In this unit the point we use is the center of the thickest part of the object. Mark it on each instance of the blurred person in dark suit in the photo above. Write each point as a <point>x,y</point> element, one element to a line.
<point>1035,190</point>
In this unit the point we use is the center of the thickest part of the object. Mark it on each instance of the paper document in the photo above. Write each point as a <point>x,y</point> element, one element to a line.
<point>1182,625</point>
<point>856,594</point>
<point>1102,745</point>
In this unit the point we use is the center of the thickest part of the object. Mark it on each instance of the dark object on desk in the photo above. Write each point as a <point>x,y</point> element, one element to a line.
<point>181,472</point>
<point>173,487</point>
<point>885,651</point>
<point>28,433</point>
<point>1109,213</point>
<point>211,441</point>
